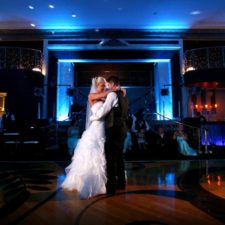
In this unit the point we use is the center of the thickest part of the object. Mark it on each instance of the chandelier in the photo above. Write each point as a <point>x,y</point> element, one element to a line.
<point>204,58</point>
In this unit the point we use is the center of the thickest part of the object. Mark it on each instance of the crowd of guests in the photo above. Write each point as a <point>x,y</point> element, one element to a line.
<point>143,139</point>
<point>160,140</point>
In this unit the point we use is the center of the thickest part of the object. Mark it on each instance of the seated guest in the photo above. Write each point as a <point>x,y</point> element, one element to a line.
<point>162,139</point>
<point>139,128</point>
<point>183,147</point>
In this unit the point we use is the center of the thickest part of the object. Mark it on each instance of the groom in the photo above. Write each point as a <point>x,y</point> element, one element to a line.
<point>114,109</point>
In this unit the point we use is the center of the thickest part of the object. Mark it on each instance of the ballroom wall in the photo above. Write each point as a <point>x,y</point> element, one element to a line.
<point>20,87</point>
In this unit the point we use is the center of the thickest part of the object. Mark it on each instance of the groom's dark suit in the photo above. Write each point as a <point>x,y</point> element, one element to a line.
<point>115,130</point>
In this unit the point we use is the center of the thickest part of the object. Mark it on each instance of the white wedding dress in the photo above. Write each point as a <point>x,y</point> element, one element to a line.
<point>87,171</point>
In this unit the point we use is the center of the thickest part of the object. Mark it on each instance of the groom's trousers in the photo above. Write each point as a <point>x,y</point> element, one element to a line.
<point>115,137</point>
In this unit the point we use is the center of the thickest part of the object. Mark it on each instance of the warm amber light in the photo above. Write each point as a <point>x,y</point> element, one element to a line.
<point>215,105</point>
<point>196,106</point>
<point>190,69</point>
<point>206,106</point>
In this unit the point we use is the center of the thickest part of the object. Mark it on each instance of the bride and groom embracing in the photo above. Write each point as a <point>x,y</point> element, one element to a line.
<point>97,165</point>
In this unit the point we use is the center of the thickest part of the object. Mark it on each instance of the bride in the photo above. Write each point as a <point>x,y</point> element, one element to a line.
<point>87,171</point>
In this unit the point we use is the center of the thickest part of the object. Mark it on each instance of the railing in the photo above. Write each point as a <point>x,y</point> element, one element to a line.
<point>149,101</point>
<point>204,58</point>
<point>193,133</point>
<point>20,59</point>
<point>81,100</point>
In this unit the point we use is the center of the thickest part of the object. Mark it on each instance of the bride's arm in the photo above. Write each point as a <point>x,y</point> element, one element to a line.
<point>97,96</point>
<point>111,101</point>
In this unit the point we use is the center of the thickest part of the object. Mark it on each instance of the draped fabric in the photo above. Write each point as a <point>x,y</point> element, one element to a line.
<point>87,171</point>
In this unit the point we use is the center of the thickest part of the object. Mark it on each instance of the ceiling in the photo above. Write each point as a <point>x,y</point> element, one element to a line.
<point>112,14</point>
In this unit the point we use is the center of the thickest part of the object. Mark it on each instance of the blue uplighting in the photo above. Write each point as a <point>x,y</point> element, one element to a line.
<point>167,27</point>
<point>91,47</point>
<point>215,134</point>
<point>165,24</point>
<point>65,80</point>
<point>112,60</point>
<point>164,103</point>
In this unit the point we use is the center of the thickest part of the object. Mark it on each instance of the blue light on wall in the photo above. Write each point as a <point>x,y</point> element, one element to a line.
<point>215,134</point>
<point>164,103</point>
<point>65,80</point>
<point>93,46</point>
<point>112,60</point>
<point>165,27</point>
<point>64,24</point>
<point>165,24</point>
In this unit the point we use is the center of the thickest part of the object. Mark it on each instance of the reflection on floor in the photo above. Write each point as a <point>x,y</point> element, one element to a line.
<point>60,153</point>
<point>158,192</point>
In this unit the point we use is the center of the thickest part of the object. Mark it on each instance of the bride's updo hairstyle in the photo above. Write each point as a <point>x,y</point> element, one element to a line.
<point>100,80</point>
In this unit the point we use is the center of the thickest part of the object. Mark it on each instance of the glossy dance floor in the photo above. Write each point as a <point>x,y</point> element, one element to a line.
<point>158,192</point>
